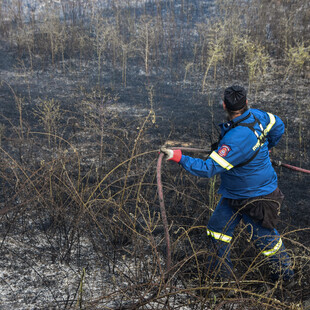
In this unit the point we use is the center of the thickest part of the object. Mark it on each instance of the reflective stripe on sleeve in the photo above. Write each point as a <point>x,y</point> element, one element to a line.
<point>265,132</point>
<point>221,161</point>
<point>218,236</point>
<point>271,123</point>
<point>273,250</point>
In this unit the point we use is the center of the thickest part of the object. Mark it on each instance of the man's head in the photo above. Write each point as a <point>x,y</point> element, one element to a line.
<point>235,102</point>
<point>235,98</point>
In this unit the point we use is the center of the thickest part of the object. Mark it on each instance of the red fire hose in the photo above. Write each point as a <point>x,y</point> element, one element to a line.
<point>161,195</point>
<point>279,163</point>
<point>162,203</point>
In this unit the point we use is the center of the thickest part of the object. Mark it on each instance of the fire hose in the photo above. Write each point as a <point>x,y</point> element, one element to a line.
<point>161,193</point>
<point>280,164</point>
<point>162,203</point>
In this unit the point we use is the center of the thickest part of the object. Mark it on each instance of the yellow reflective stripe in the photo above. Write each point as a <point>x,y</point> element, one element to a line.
<point>256,145</point>
<point>221,161</point>
<point>271,123</point>
<point>268,128</point>
<point>218,236</point>
<point>274,250</point>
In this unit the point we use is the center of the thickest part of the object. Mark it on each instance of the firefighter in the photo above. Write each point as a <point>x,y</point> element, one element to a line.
<point>249,188</point>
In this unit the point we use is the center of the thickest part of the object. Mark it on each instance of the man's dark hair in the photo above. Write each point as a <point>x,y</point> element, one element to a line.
<point>238,112</point>
<point>235,98</point>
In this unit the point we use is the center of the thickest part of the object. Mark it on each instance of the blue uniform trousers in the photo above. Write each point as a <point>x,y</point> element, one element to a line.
<point>268,241</point>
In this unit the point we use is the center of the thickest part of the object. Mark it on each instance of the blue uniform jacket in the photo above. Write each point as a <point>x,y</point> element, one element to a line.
<point>238,145</point>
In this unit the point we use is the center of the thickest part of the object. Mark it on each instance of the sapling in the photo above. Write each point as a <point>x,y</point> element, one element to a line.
<point>2,131</point>
<point>256,60</point>
<point>145,40</point>
<point>296,57</point>
<point>126,48</point>
<point>215,50</point>
<point>215,54</point>
<point>187,69</point>
<point>49,114</point>
<point>19,101</point>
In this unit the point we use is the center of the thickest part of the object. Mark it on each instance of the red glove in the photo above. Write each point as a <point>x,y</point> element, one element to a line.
<point>174,155</point>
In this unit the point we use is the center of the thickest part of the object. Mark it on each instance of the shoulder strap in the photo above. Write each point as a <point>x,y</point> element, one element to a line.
<point>238,123</point>
<point>260,137</point>
<point>215,145</point>
<point>248,161</point>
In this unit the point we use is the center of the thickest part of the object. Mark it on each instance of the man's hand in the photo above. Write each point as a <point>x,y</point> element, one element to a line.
<point>170,154</point>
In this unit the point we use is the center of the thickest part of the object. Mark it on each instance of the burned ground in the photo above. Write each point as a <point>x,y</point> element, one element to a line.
<point>80,222</point>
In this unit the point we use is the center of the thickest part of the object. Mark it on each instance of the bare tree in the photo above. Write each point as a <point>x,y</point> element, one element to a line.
<point>145,40</point>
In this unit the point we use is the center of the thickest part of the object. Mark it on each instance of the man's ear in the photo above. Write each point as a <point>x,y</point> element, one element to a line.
<point>224,106</point>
